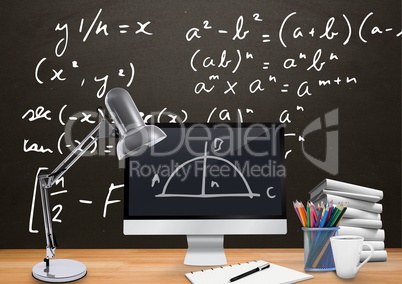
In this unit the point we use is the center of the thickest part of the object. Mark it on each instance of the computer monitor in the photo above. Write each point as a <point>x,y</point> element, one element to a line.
<point>206,181</point>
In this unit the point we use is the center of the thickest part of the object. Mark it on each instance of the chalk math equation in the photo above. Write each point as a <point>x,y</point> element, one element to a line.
<point>245,62</point>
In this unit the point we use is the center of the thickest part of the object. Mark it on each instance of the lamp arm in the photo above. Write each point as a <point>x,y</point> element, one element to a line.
<point>61,169</point>
<point>105,128</point>
<point>46,181</point>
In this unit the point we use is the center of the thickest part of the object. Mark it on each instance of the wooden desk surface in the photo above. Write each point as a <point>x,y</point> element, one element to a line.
<point>166,265</point>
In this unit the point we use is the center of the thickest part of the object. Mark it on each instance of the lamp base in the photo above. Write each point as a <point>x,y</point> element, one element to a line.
<point>59,270</point>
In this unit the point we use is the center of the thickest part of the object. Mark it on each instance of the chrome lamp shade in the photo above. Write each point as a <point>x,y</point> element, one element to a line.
<point>134,135</point>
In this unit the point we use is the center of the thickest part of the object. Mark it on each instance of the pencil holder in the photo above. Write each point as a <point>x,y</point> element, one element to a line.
<point>317,249</point>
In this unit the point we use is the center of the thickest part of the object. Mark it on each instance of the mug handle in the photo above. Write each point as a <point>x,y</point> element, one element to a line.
<point>368,258</point>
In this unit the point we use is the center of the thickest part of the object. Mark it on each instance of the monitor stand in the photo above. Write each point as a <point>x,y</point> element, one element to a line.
<point>205,250</point>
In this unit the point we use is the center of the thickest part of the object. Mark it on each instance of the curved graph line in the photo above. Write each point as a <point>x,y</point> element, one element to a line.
<point>203,195</point>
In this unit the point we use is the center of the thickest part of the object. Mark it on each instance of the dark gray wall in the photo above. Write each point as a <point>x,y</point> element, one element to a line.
<point>346,54</point>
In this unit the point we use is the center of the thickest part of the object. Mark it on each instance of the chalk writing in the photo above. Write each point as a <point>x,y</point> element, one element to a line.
<point>58,208</point>
<point>39,113</point>
<point>247,59</point>
<point>35,148</point>
<point>100,28</point>
<point>108,201</point>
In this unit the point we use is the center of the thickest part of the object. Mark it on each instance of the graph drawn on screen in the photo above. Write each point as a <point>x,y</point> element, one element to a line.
<point>203,194</point>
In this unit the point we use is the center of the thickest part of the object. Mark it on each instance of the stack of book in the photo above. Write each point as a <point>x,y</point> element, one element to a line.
<point>363,214</point>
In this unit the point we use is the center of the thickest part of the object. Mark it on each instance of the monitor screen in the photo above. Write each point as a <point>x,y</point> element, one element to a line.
<point>206,178</point>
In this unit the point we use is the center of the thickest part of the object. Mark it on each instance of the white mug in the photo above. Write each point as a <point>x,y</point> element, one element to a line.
<point>346,251</point>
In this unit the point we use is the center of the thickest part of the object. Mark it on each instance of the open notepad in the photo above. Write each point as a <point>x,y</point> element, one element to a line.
<point>274,274</point>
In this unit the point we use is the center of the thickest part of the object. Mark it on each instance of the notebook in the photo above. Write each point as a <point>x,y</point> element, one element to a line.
<point>274,274</point>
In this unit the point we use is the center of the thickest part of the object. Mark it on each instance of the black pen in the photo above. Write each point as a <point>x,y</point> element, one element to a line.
<point>259,268</point>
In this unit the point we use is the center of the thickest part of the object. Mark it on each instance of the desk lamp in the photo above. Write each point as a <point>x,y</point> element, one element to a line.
<point>133,135</point>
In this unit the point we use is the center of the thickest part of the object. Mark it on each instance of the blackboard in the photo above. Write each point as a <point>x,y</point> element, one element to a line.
<point>327,69</point>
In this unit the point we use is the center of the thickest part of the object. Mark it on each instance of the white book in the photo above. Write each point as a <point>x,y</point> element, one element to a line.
<point>364,197</point>
<point>344,187</point>
<point>367,234</point>
<point>361,214</point>
<point>274,274</point>
<point>354,203</point>
<point>363,223</point>
<point>379,255</point>
<point>377,245</point>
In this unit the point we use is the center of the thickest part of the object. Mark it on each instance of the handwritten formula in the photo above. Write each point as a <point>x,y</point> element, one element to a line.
<point>238,65</point>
